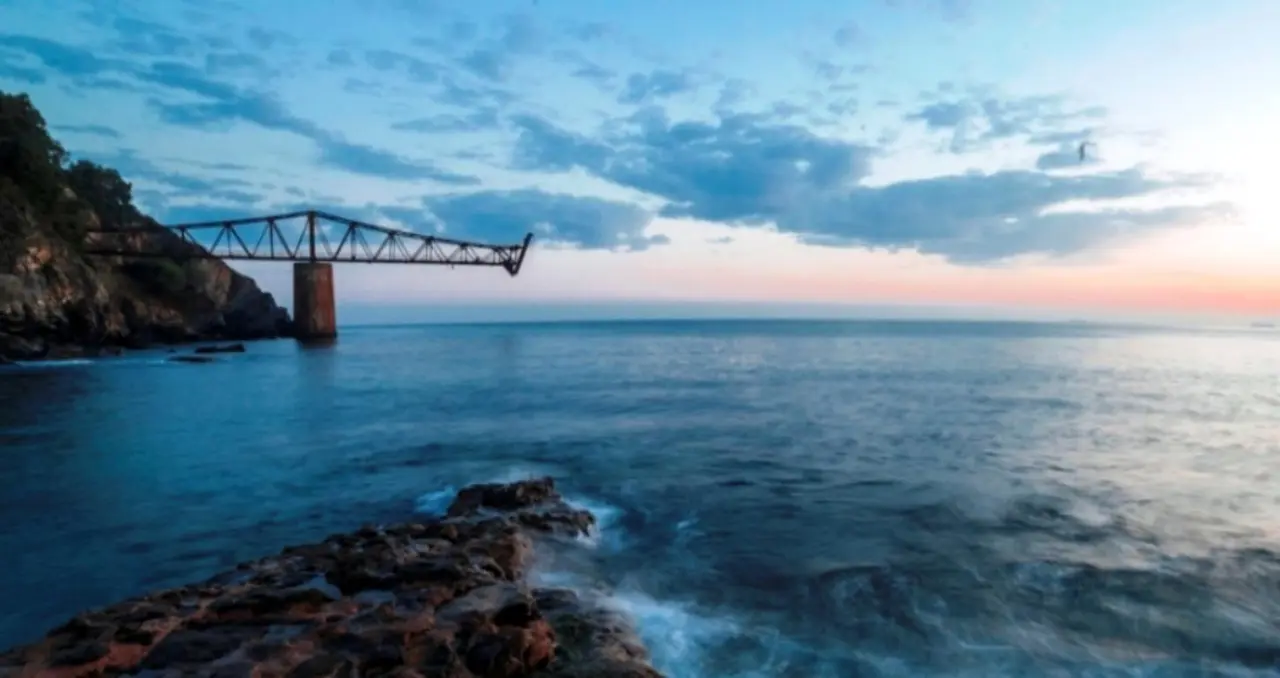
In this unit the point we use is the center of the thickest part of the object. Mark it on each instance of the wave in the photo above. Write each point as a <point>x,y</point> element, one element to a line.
<point>969,616</point>
<point>112,362</point>
<point>52,364</point>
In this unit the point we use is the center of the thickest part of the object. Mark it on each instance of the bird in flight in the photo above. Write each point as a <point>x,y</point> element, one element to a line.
<point>1083,144</point>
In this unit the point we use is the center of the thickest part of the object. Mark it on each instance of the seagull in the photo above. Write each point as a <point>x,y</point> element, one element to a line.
<point>1083,144</point>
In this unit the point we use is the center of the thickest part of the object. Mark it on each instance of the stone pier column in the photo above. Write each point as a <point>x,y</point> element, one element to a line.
<point>314,314</point>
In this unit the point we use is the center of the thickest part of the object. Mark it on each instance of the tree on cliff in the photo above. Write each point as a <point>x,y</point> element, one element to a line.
<point>34,172</point>
<point>30,160</point>
<point>106,192</point>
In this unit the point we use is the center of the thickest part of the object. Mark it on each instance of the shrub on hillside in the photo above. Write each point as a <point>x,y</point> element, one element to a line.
<point>29,157</point>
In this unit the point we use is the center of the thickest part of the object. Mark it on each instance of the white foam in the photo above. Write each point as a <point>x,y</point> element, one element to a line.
<point>435,503</point>
<point>52,364</point>
<point>607,532</point>
<point>677,636</point>
<point>680,638</point>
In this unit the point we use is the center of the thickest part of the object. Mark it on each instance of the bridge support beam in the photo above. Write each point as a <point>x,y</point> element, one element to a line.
<point>314,313</point>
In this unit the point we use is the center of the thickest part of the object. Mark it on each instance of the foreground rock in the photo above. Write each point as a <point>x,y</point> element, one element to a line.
<point>444,598</point>
<point>57,301</point>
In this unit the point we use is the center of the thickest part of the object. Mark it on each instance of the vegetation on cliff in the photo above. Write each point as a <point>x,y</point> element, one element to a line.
<point>55,300</point>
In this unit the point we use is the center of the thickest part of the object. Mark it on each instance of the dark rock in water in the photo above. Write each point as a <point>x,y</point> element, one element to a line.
<point>56,299</point>
<point>228,348</point>
<point>190,359</point>
<point>441,598</point>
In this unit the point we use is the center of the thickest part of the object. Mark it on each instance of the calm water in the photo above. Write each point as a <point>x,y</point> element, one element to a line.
<point>780,499</point>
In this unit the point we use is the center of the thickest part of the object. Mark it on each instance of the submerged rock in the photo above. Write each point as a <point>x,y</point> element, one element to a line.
<point>440,598</point>
<point>190,359</point>
<point>228,348</point>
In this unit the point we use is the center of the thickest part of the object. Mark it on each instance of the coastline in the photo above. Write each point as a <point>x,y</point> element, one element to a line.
<point>444,597</point>
<point>193,351</point>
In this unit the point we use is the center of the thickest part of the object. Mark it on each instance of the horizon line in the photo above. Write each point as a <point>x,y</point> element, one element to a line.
<point>727,320</point>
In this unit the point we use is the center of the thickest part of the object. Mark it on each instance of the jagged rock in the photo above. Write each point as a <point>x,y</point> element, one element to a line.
<point>441,598</point>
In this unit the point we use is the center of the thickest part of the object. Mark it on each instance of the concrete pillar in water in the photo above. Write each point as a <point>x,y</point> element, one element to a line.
<point>314,315</point>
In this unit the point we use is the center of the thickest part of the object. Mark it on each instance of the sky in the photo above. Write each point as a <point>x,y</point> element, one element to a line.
<point>873,153</point>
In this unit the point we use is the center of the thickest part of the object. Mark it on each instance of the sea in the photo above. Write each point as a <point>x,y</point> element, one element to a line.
<point>775,498</point>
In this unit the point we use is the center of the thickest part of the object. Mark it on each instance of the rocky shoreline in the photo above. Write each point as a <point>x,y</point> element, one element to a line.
<point>447,597</point>
<point>58,299</point>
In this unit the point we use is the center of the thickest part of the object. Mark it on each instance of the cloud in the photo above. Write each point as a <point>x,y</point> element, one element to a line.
<point>747,161</point>
<point>93,130</point>
<point>943,115</point>
<point>370,161</point>
<point>519,35</point>
<point>595,73</point>
<point>264,39</point>
<point>645,87</point>
<point>62,59</point>
<point>162,186</point>
<point>149,38</point>
<point>591,30</point>
<point>219,64</point>
<point>585,222</point>
<point>385,60</point>
<point>951,11</point>
<point>220,103</point>
<point>976,120</point>
<point>847,35</point>
<point>586,69</point>
<point>751,170</point>
<point>25,74</point>
<point>340,58</point>
<point>480,119</point>
<point>1066,155</point>
<point>981,218</point>
<point>743,168</point>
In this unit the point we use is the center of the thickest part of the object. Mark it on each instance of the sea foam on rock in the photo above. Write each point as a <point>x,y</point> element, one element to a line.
<point>444,598</point>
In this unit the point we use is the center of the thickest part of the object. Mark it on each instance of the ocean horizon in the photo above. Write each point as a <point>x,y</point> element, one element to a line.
<point>536,314</point>
<point>775,497</point>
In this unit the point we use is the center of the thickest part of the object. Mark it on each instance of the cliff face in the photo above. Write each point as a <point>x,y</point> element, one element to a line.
<point>55,300</point>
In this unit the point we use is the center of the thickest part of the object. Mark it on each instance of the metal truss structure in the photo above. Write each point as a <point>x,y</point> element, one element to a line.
<point>273,239</point>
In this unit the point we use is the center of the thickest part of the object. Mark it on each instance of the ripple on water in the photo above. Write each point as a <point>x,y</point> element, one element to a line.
<point>774,499</point>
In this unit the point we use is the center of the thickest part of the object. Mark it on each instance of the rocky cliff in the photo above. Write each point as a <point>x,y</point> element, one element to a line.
<point>55,300</point>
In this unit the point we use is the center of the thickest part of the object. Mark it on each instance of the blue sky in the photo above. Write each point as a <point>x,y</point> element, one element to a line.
<point>883,152</point>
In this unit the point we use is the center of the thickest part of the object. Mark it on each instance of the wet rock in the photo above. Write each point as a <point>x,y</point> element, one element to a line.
<point>228,348</point>
<point>79,653</point>
<point>195,647</point>
<point>503,497</point>
<point>322,666</point>
<point>134,635</point>
<point>443,598</point>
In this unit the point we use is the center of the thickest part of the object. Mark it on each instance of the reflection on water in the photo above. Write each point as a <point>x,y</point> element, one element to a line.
<point>810,498</point>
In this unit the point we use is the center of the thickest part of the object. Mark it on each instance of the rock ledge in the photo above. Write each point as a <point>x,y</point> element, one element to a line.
<point>444,598</point>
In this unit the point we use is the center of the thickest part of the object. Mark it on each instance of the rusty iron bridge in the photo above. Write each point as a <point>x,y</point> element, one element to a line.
<point>321,240</point>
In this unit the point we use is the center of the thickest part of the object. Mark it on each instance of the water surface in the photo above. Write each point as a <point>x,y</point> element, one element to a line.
<point>780,498</point>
